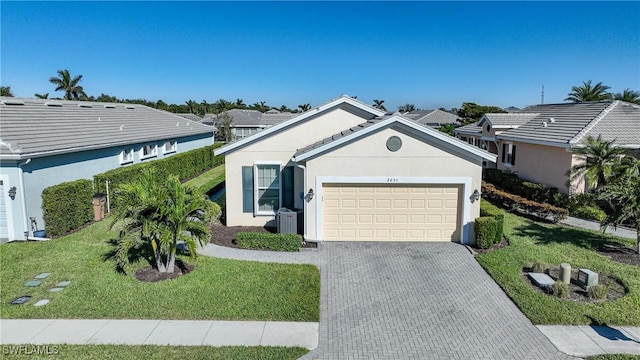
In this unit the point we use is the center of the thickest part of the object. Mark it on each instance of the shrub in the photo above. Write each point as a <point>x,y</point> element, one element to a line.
<point>268,241</point>
<point>589,213</point>
<point>67,206</point>
<point>560,200</point>
<point>485,228</point>
<point>184,165</point>
<point>560,289</point>
<point>533,191</point>
<point>539,267</point>
<point>499,228</point>
<point>517,203</point>
<point>216,211</point>
<point>598,292</point>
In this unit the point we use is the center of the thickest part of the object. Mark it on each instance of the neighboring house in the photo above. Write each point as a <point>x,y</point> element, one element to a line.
<point>432,118</point>
<point>357,175</point>
<point>190,116</point>
<point>47,142</point>
<point>248,122</point>
<point>538,143</point>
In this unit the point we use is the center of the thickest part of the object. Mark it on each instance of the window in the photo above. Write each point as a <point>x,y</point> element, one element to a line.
<point>471,141</point>
<point>266,187</point>
<point>463,138</point>
<point>170,147</point>
<point>508,154</point>
<point>126,156</point>
<point>148,151</point>
<point>488,127</point>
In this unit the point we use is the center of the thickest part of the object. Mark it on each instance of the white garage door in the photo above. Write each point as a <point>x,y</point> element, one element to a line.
<point>373,212</point>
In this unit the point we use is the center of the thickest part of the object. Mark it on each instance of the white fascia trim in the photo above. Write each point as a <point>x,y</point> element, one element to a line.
<point>397,119</point>
<point>465,225</point>
<point>305,115</point>
<point>467,132</point>
<point>530,141</point>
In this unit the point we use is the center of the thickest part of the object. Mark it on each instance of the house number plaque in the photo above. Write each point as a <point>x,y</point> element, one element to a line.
<point>394,143</point>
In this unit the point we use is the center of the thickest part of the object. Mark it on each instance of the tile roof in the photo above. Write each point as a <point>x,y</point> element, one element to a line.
<point>474,128</point>
<point>190,116</point>
<point>573,121</point>
<point>253,118</point>
<point>32,127</point>
<point>432,117</point>
<point>508,119</point>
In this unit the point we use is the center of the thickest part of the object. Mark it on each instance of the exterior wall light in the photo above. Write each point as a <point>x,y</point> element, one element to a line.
<point>475,196</point>
<point>309,195</point>
<point>12,192</point>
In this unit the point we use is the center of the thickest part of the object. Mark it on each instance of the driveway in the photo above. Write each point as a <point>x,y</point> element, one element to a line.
<point>420,301</point>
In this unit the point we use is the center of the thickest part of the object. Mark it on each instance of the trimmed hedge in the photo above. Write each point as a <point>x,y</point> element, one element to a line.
<point>589,213</point>
<point>518,186</point>
<point>498,215</point>
<point>486,228</point>
<point>184,165</point>
<point>269,241</point>
<point>517,203</point>
<point>67,206</point>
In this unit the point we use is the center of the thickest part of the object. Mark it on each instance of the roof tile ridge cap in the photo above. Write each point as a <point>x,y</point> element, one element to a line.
<point>576,139</point>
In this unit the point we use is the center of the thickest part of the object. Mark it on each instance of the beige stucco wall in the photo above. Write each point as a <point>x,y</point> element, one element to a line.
<point>369,157</point>
<point>278,148</point>
<point>539,163</point>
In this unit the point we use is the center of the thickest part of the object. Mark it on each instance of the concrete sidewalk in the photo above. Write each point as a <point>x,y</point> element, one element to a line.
<point>593,225</point>
<point>593,340</point>
<point>159,332</point>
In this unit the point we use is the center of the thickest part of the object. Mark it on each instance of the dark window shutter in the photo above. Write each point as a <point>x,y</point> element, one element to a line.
<point>513,155</point>
<point>247,189</point>
<point>287,187</point>
<point>504,152</point>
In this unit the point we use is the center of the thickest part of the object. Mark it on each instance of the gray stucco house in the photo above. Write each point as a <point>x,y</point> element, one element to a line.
<point>246,122</point>
<point>47,142</point>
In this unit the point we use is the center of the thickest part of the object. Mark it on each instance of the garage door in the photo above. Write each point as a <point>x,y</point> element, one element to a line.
<point>372,212</point>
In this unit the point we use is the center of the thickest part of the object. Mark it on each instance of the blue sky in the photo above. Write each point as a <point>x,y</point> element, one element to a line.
<point>430,54</point>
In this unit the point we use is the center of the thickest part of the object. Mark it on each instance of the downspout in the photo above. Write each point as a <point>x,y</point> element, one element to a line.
<point>23,198</point>
<point>305,201</point>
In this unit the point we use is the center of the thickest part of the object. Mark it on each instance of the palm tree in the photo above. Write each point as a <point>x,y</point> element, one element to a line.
<point>378,105</point>
<point>6,91</point>
<point>42,96</point>
<point>221,106</point>
<point>192,106</point>
<point>600,159</point>
<point>623,192</point>
<point>406,108</point>
<point>240,104</point>
<point>159,212</point>
<point>304,107</point>
<point>629,96</point>
<point>204,107</point>
<point>64,82</point>
<point>586,92</point>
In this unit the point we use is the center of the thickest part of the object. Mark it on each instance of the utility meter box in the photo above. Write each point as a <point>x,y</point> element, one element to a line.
<point>587,278</point>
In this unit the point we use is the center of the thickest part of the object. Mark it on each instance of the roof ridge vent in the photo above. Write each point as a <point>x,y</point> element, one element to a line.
<point>552,120</point>
<point>129,107</point>
<point>54,104</point>
<point>85,105</point>
<point>109,106</point>
<point>12,102</point>
<point>544,124</point>
<point>122,127</point>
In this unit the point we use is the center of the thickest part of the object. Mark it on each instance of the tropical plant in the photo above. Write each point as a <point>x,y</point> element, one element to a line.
<point>628,95</point>
<point>158,213</point>
<point>599,159</point>
<point>192,105</point>
<point>378,104</point>
<point>221,105</point>
<point>447,129</point>
<point>64,82</point>
<point>239,104</point>
<point>406,108</point>
<point>42,96</point>
<point>203,108</point>
<point>6,91</point>
<point>304,107</point>
<point>587,92</point>
<point>623,192</point>
<point>471,112</point>
<point>223,123</point>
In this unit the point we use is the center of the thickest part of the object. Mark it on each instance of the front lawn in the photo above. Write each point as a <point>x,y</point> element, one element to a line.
<point>208,179</point>
<point>551,244</point>
<point>216,289</point>
<point>117,352</point>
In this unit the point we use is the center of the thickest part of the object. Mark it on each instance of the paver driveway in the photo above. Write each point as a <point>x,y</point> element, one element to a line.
<point>418,300</point>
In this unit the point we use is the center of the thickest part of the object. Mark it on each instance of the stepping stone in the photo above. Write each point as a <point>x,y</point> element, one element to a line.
<point>21,300</point>
<point>43,276</point>
<point>63,283</point>
<point>542,280</point>
<point>42,302</point>
<point>33,283</point>
<point>56,289</point>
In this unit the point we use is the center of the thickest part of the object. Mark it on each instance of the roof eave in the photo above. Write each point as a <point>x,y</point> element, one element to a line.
<point>534,141</point>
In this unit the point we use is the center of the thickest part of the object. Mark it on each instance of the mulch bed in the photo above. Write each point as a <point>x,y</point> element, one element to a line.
<point>502,244</point>
<point>620,254</point>
<point>151,274</point>
<point>226,235</point>
<point>578,294</point>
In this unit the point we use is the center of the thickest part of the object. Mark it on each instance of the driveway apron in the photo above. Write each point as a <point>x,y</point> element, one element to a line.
<point>418,301</point>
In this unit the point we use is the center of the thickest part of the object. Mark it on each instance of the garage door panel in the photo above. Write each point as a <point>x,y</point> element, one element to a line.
<point>415,212</point>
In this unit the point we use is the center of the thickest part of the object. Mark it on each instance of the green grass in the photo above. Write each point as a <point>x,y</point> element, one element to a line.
<point>207,180</point>
<point>532,241</point>
<point>216,289</point>
<point>100,352</point>
<point>614,357</point>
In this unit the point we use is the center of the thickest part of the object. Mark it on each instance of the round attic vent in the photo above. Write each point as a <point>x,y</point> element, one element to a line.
<point>394,143</point>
